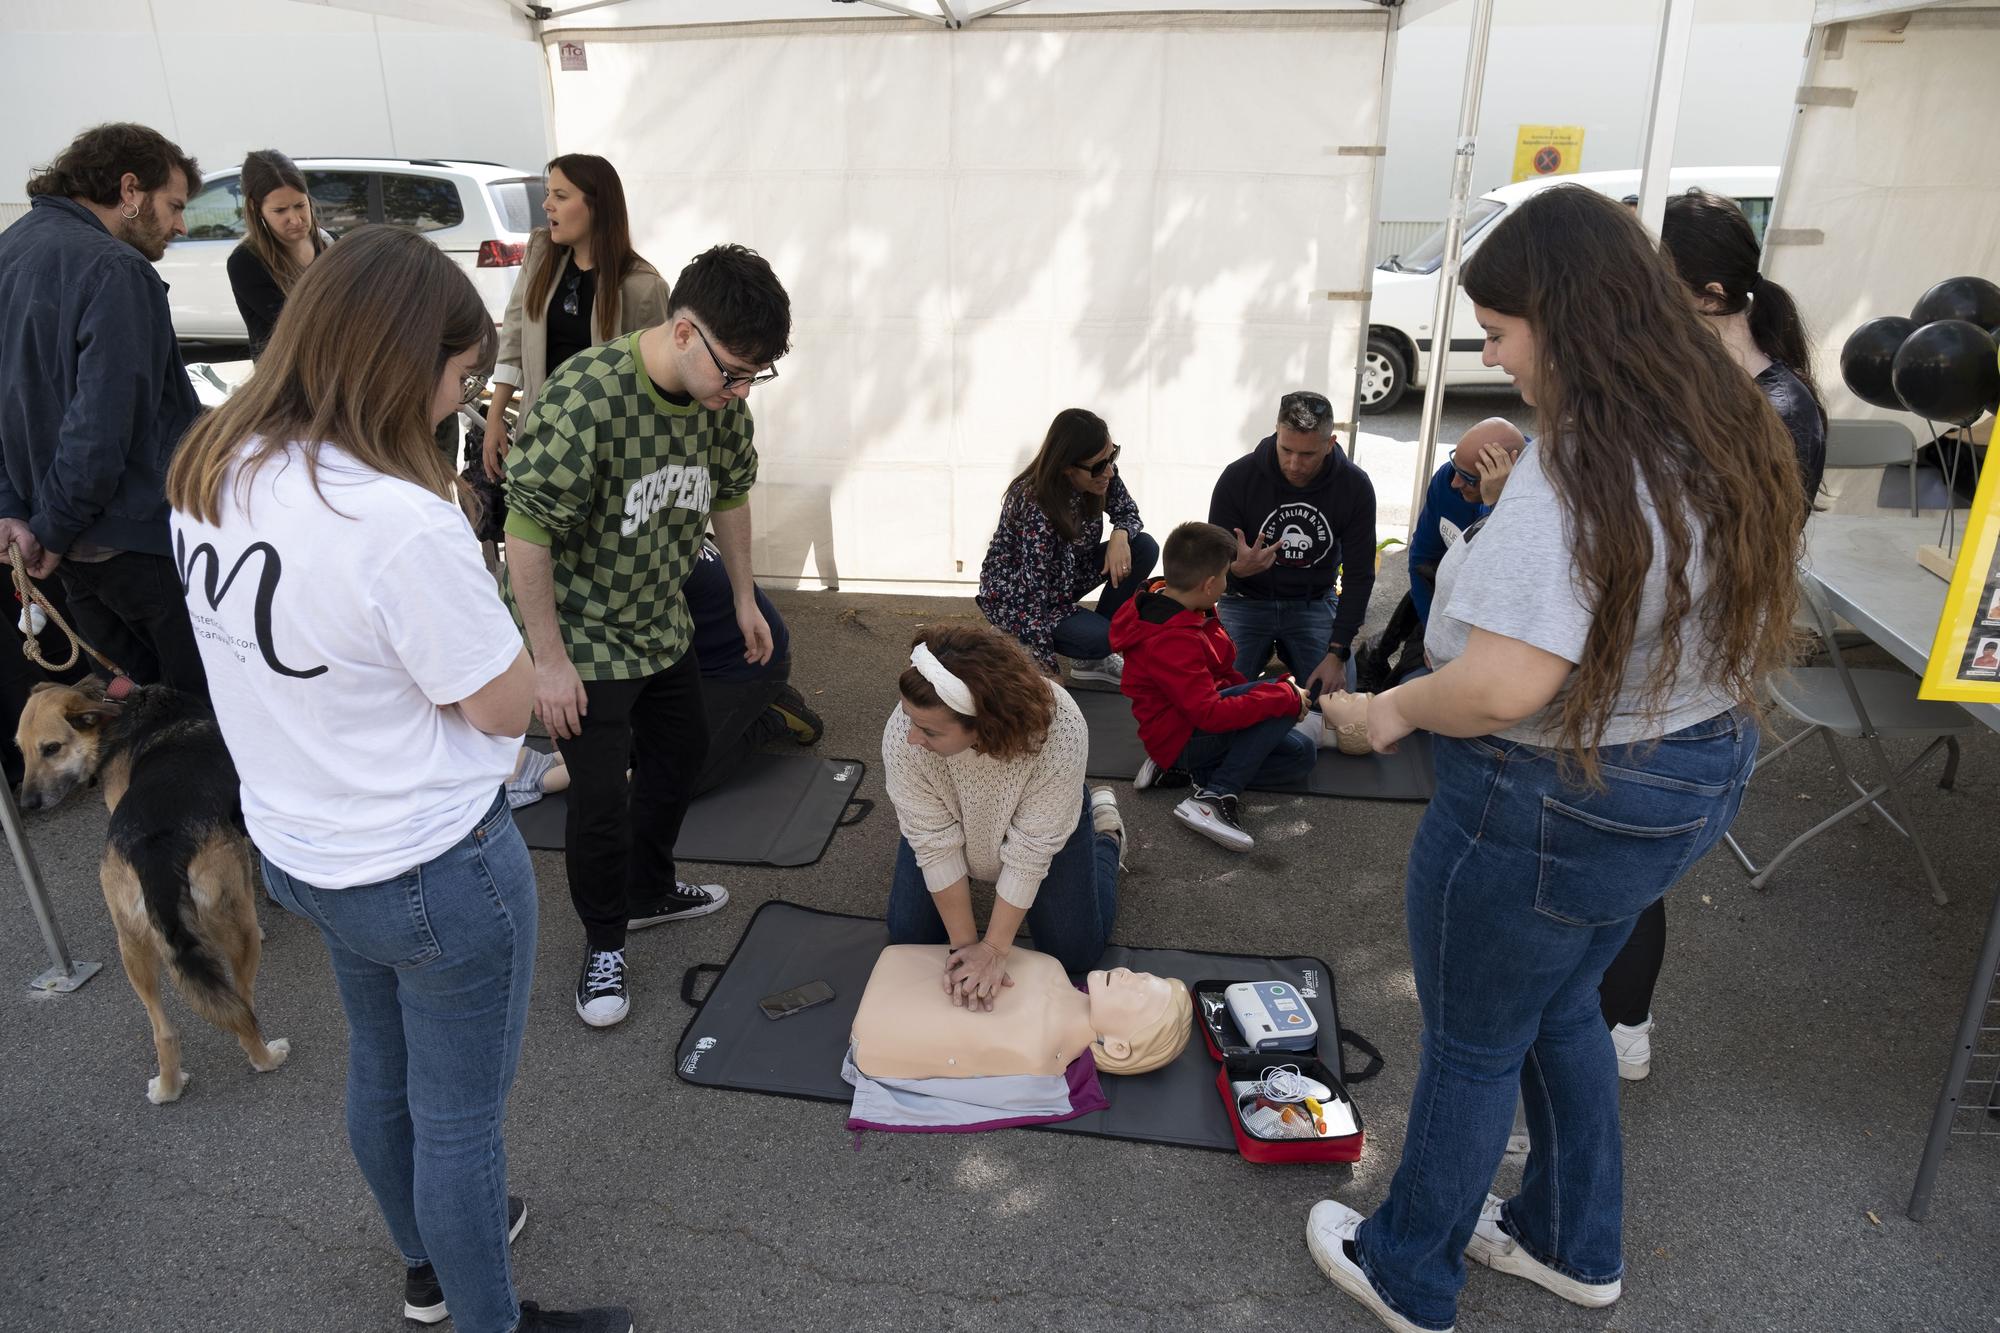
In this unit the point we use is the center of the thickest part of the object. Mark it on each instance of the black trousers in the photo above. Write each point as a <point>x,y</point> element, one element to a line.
<point>131,609</point>
<point>1626,993</point>
<point>740,722</point>
<point>620,834</point>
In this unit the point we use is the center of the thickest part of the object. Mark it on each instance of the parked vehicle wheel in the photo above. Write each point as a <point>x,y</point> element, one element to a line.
<point>1385,376</point>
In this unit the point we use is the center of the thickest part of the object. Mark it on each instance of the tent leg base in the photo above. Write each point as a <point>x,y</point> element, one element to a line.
<point>57,981</point>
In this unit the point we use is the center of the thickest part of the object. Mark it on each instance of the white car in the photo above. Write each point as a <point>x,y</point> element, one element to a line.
<point>479,213</point>
<point>1405,300</point>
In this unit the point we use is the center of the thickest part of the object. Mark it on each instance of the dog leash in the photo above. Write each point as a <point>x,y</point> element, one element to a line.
<point>31,646</point>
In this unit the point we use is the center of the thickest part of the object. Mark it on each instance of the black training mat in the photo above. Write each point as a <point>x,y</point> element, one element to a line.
<point>1406,775</point>
<point>781,810</point>
<point>729,1043</point>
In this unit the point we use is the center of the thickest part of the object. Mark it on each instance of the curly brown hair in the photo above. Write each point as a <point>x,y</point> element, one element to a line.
<point>1013,698</point>
<point>1635,395</point>
<point>96,162</point>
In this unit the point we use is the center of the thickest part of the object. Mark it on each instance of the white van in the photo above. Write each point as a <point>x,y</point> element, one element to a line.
<point>479,213</point>
<point>1399,317</point>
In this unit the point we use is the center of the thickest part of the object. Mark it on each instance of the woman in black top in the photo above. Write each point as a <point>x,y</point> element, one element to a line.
<point>280,239</point>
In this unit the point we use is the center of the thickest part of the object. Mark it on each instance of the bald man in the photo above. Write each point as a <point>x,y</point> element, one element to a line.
<point>1461,492</point>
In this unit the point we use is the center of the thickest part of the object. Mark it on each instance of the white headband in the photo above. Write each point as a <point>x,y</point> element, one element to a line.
<point>950,689</point>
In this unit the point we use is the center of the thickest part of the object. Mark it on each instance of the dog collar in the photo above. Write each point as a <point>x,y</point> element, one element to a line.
<point>120,688</point>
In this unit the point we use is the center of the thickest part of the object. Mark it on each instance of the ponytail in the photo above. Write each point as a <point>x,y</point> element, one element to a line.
<point>1780,334</point>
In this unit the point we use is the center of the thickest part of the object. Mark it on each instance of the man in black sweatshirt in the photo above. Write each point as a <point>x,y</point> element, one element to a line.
<point>1304,519</point>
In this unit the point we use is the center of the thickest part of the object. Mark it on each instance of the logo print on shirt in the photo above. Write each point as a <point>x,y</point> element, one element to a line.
<point>684,485</point>
<point>267,592</point>
<point>1300,532</point>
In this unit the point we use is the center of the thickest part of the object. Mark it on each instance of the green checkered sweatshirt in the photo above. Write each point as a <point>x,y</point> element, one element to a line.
<point>619,483</point>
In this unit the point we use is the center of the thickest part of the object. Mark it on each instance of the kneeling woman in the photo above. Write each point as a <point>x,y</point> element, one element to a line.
<point>984,759</point>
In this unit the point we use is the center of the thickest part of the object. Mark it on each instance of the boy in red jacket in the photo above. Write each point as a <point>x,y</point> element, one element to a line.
<point>1195,710</point>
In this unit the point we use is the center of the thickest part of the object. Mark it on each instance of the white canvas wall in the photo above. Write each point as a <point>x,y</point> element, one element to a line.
<point>980,228</point>
<point>1903,186</point>
<point>422,78</point>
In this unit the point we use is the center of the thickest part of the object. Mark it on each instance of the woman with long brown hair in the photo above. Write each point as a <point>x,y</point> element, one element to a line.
<point>372,691</point>
<point>280,237</point>
<point>1599,640</point>
<point>581,284</point>
<point>984,759</point>
<point>1046,553</point>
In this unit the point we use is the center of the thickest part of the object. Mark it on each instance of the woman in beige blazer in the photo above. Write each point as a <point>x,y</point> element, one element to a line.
<point>560,306</point>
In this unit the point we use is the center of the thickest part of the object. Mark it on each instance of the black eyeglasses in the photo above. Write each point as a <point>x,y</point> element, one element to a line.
<point>1302,406</point>
<point>1102,465</point>
<point>732,378</point>
<point>1469,478</point>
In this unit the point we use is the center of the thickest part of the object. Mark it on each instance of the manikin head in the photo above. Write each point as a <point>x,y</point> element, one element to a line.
<point>1142,1021</point>
<point>1465,456</point>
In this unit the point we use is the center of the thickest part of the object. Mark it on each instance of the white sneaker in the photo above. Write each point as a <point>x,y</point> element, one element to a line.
<point>1104,818</point>
<point>1148,774</point>
<point>601,1000</point>
<point>1215,818</point>
<point>1635,1049</point>
<point>1110,670</point>
<point>1503,1254</point>
<point>1328,1226</point>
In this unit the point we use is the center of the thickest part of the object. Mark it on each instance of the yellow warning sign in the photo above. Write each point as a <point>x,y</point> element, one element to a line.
<point>1547,150</point>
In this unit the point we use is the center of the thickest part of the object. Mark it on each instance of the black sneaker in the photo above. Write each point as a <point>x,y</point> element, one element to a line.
<point>600,989</point>
<point>805,725</point>
<point>423,1298</point>
<point>682,902</point>
<point>1215,817</point>
<point>603,1319</point>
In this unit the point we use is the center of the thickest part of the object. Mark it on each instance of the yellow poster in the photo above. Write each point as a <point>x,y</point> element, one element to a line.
<point>1547,150</point>
<point>1965,657</point>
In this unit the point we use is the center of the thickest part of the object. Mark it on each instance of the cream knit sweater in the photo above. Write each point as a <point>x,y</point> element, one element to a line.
<point>1001,821</point>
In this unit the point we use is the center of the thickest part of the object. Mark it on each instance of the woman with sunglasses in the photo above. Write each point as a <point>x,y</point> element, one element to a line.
<point>559,307</point>
<point>1600,641</point>
<point>372,691</point>
<point>1045,553</point>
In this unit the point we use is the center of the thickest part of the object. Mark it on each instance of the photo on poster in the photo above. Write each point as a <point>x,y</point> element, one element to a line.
<point>1992,613</point>
<point>1964,661</point>
<point>1985,662</point>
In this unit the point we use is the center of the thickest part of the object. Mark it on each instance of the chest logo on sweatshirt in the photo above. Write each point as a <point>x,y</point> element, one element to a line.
<point>1300,532</point>
<point>682,485</point>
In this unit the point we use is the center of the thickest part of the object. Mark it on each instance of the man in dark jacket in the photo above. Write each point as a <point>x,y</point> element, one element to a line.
<point>1304,519</point>
<point>93,395</point>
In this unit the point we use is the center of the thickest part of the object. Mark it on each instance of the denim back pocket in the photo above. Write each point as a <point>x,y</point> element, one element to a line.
<point>384,922</point>
<point>1596,869</point>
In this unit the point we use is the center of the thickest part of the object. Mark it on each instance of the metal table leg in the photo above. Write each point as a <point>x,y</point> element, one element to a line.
<point>65,973</point>
<point>1961,1063</point>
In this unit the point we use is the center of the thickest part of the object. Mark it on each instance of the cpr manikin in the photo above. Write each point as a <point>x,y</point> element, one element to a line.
<point>908,1028</point>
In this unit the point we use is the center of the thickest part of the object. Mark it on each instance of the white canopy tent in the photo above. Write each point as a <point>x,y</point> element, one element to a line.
<point>1163,213</point>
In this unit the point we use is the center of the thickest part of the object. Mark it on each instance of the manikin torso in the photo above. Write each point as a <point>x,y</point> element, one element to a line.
<point>907,1027</point>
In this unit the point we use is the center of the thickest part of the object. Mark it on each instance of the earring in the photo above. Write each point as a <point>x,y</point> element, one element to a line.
<point>131,216</point>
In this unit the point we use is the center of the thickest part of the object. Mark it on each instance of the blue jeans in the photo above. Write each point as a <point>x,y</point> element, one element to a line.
<point>1300,630</point>
<point>434,968</point>
<point>1269,754</point>
<point>1087,634</point>
<point>1520,890</point>
<point>1070,918</point>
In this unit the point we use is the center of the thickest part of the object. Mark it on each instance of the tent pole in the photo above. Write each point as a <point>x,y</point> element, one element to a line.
<point>1663,110</point>
<point>1374,229</point>
<point>1454,237</point>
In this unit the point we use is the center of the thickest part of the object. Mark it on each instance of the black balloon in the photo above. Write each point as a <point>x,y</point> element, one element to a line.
<point>1973,299</point>
<point>1947,371</point>
<point>1868,356</point>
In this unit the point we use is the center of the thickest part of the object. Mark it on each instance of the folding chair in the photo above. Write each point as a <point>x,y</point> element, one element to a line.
<point>1858,444</point>
<point>1867,705</point>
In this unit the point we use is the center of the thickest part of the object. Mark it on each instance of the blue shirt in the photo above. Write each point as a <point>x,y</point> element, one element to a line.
<point>1427,543</point>
<point>93,396</point>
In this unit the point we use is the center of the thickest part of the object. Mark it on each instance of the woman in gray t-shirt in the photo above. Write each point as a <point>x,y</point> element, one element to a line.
<point>1595,641</point>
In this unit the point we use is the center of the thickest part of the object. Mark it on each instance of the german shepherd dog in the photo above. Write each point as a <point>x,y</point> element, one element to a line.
<point>176,869</point>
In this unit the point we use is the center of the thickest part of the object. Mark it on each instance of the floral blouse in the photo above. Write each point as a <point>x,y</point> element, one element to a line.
<point>1032,578</point>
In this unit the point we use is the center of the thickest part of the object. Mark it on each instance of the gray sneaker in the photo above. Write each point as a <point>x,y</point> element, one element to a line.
<point>1105,670</point>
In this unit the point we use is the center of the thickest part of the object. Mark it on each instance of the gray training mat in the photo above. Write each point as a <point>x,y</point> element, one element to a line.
<point>729,1043</point>
<point>1406,775</point>
<point>780,810</point>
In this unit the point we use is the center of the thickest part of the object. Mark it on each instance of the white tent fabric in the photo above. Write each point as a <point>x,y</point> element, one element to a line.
<point>1891,182</point>
<point>1162,217</point>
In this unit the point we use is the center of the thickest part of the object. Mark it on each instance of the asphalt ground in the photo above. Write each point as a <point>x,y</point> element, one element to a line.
<point>1802,1037</point>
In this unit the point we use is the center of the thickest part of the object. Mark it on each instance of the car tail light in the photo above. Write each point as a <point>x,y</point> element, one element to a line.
<point>502,254</point>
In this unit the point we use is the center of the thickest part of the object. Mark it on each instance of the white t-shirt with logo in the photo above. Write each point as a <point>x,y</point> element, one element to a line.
<point>334,643</point>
